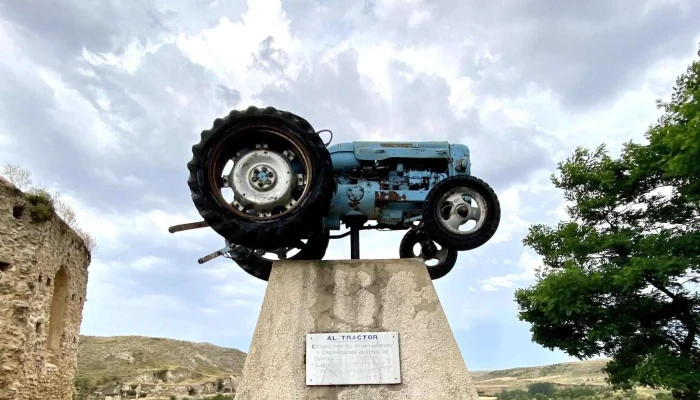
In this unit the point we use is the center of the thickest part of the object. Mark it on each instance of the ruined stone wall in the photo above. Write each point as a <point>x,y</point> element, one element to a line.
<point>43,279</point>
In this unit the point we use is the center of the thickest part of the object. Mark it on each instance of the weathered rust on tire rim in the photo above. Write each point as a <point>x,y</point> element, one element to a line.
<point>216,166</point>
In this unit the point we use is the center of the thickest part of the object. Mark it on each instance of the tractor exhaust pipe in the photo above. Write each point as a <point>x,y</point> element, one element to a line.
<point>187,227</point>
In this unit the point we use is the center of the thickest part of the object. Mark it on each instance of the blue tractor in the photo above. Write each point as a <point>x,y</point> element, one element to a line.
<point>264,180</point>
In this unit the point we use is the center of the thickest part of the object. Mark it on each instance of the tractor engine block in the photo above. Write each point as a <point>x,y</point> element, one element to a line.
<point>391,186</point>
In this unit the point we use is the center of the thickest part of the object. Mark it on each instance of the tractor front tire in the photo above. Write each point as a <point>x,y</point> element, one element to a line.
<point>445,210</point>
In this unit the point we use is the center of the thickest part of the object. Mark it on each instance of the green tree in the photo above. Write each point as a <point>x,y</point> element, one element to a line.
<point>676,138</point>
<point>620,277</point>
<point>512,394</point>
<point>83,388</point>
<point>545,388</point>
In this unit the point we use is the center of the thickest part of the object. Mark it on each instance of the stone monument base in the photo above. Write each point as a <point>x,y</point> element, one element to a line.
<point>340,297</point>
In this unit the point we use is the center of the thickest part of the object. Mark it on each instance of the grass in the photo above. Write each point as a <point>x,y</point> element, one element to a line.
<point>571,374</point>
<point>40,205</point>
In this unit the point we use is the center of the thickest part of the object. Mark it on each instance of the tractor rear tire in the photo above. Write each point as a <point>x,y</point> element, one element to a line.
<point>438,200</point>
<point>445,263</point>
<point>244,130</point>
<point>260,267</point>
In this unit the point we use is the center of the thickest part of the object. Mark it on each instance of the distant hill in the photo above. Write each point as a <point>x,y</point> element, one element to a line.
<point>565,374</point>
<point>162,367</point>
<point>175,366</point>
<point>589,373</point>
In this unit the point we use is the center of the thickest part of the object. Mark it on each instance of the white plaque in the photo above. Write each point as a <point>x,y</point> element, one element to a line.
<point>355,358</point>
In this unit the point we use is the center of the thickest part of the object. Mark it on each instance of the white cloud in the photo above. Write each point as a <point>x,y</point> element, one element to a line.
<point>155,302</point>
<point>373,62</point>
<point>249,288</point>
<point>103,139</point>
<point>5,143</point>
<point>145,226</point>
<point>147,263</point>
<point>373,245</point>
<point>527,265</point>
<point>111,177</point>
<point>462,96</point>
<point>418,17</point>
<point>210,312</point>
<point>242,303</point>
<point>560,212</point>
<point>229,47</point>
<point>129,61</point>
<point>512,216</point>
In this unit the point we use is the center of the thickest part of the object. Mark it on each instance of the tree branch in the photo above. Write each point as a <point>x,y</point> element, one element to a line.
<point>685,316</point>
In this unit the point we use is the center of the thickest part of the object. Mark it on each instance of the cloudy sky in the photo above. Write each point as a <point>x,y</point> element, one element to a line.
<point>102,101</point>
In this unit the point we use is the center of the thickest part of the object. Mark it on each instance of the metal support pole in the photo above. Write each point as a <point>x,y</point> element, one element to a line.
<point>354,243</point>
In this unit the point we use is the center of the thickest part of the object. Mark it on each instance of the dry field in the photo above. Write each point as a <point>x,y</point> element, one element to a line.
<point>488,383</point>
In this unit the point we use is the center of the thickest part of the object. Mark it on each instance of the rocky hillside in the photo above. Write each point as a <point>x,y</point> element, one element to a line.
<point>155,366</point>
<point>161,368</point>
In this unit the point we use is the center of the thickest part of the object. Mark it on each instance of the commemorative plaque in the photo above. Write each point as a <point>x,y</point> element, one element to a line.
<point>355,358</point>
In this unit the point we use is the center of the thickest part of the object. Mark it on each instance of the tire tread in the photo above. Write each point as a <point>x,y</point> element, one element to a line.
<point>261,234</point>
<point>436,232</point>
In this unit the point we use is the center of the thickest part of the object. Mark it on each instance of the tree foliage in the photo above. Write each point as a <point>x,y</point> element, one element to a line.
<point>546,388</point>
<point>620,276</point>
<point>18,176</point>
<point>83,389</point>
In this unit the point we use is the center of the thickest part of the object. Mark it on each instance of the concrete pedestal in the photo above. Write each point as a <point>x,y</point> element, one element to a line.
<point>353,296</point>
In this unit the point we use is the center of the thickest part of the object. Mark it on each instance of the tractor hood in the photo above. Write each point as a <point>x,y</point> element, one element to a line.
<point>368,151</point>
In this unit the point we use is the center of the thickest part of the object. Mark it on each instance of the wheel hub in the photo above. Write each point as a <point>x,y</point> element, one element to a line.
<point>456,211</point>
<point>463,211</point>
<point>263,176</point>
<point>439,261</point>
<point>428,250</point>
<point>263,180</point>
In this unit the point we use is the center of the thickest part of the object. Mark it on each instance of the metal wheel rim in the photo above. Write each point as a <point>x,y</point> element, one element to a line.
<point>454,199</point>
<point>229,149</point>
<point>282,253</point>
<point>441,255</point>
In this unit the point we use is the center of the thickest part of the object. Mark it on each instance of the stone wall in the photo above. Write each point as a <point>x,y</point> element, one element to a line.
<point>43,279</point>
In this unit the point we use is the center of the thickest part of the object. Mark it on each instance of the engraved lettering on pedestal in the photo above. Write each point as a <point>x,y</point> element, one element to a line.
<point>356,358</point>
